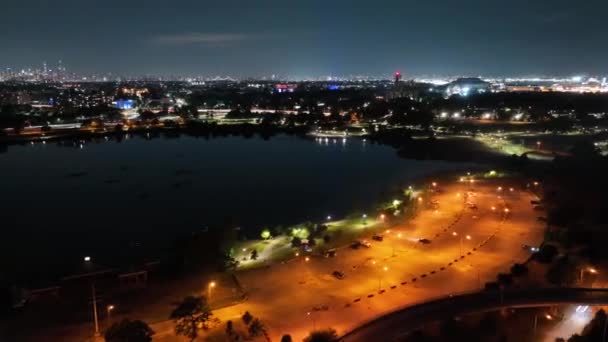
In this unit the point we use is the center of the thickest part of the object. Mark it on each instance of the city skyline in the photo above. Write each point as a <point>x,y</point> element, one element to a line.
<point>304,40</point>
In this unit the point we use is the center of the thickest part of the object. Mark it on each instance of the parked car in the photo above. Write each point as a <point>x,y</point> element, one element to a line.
<point>338,274</point>
<point>424,241</point>
<point>378,237</point>
<point>330,253</point>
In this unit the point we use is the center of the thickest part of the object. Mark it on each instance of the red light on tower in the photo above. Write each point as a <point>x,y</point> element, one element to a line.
<point>397,77</point>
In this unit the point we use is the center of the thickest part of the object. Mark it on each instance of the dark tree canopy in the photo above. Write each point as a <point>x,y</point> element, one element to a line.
<point>129,331</point>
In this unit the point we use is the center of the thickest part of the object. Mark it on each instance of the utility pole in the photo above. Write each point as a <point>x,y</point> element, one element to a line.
<point>95,310</point>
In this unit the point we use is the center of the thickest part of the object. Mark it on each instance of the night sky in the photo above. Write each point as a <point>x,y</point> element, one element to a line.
<point>308,37</point>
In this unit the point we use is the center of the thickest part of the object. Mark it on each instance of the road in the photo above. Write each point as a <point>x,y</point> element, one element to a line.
<point>394,326</point>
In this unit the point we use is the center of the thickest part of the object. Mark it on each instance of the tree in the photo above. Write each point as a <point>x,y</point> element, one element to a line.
<point>229,328</point>
<point>254,254</point>
<point>247,318</point>
<point>286,338</point>
<point>326,335</point>
<point>256,328</point>
<point>129,331</point>
<point>191,313</point>
<point>265,234</point>
<point>594,331</point>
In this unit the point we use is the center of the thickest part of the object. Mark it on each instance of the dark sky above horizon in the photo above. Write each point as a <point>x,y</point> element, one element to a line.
<point>308,37</point>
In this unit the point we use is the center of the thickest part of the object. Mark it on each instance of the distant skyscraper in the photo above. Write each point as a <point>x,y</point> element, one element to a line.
<point>45,70</point>
<point>397,77</point>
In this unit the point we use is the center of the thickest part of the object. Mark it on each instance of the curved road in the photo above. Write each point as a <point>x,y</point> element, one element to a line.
<point>396,325</point>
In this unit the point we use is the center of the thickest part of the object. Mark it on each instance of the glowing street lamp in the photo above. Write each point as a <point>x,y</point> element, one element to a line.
<point>210,286</point>
<point>109,309</point>
<point>328,217</point>
<point>385,269</point>
<point>589,270</point>
<point>307,259</point>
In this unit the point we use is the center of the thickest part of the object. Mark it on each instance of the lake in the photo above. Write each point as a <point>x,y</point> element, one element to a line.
<point>64,200</point>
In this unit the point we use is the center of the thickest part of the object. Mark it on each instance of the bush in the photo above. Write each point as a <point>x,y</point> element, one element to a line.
<point>492,286</point>
<point>546,254</point>
<point>505,279</point>
<point>296,242</point>
<point>326,335</point>
<point>519,270</point>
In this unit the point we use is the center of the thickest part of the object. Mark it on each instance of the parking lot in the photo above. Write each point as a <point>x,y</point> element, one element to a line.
<point>466,247</point>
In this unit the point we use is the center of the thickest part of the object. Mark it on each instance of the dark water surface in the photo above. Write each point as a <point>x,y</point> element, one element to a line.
<point>61,200</point>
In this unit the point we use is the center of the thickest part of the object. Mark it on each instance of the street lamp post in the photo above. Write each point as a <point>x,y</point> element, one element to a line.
<point>588,269</point>
<point>385,269</point>
<point>95,318</point>
<point>210,286</point>
<point>109,309</point>
<point>314,323</point>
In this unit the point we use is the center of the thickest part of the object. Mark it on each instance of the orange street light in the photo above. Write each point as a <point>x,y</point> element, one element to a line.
<point>468,237</point>
<point>210,286</point>
<point>454,233</point>
<point>385,268</point>
<point>307,259</point>
<point>493,208</point>
<point>434,184</point>
<point>109,309</point>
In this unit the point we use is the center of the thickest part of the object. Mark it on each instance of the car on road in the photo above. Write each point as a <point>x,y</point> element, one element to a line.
<point>377,237</point>
<point>472,206</point>
<point>330,253</point>
<point>424,241</point>
<point>366,244</point>
<point>338,274</point>
<point>356,244</point>
<point>530,248</point>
